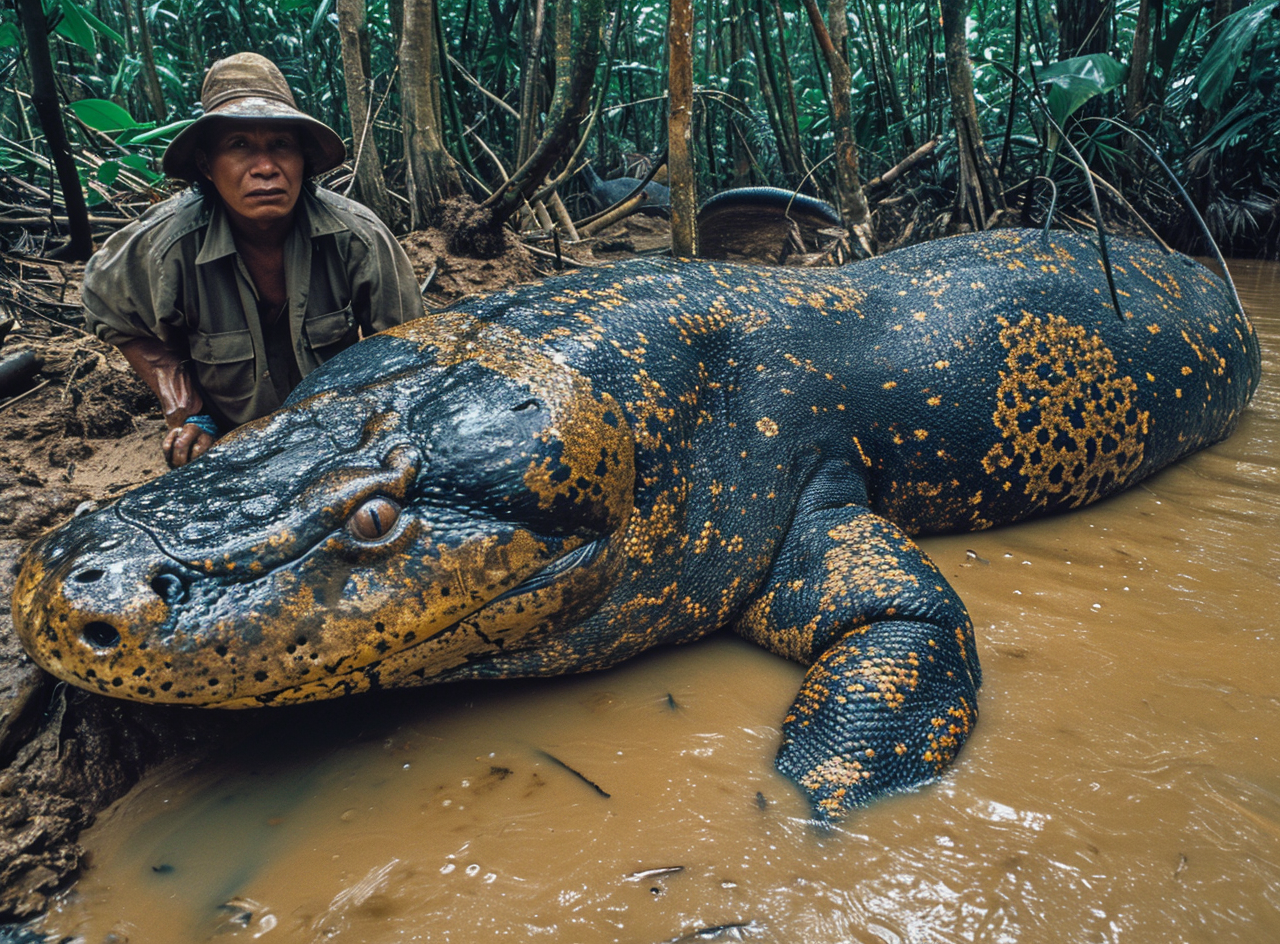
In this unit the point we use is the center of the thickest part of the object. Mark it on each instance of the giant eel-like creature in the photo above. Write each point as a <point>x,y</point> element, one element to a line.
<point>554,478</point>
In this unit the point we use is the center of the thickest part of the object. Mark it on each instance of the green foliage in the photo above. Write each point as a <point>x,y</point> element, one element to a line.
<point>73,25</point>
<point>102,115</point>
<point>1234,36</point>
<point>761,114</point>
<point>1072,82</point>
<point>1239,145</point>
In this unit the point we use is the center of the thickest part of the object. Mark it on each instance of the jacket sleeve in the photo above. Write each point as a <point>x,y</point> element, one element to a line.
<point>384,290</point>
<point>127,292</point>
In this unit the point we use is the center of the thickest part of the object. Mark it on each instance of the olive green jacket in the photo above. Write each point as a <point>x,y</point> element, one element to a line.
<point>175,275</point>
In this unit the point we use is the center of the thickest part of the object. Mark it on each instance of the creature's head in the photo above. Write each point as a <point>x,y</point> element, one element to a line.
<point>369,534</point>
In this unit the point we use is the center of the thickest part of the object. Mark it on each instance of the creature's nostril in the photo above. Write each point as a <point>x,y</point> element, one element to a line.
<point>169,587</point>
<point>101,635</point>
<point>89,576</point>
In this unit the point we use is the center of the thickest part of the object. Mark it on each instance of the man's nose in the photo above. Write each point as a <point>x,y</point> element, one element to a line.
<point>264,165</point>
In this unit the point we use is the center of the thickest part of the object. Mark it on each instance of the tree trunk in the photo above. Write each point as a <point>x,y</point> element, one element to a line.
<point>789,87</point>
<point>684,194</point>
<point>738,90</point>
<point>853,202</point>
<point>758,42</point>
<point>577,54</point>
<point>930,76</point>
<point>530,78</point>
<point>433,178</point>
<point>1135,93</point>
<point>1084,27</point>
<point>978,191</point>
<point>452,116</point>
<point>151,78</point>
<point>890,79</point>
<point>1013,91</point>
<point>44,97</point>
<point>788,144</point>
<point>371,188</point>
<point>711,49</point>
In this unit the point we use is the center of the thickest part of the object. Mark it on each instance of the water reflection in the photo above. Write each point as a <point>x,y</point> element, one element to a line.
<point>1122,784</point>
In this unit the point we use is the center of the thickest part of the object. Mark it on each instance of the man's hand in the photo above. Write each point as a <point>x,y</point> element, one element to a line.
<point>184,443</point>
<point>169,379</point>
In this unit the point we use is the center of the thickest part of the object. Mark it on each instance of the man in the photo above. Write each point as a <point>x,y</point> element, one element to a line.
<point>224,298</point>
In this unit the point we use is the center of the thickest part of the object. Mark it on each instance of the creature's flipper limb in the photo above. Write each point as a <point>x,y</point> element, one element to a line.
<point>890,696</point>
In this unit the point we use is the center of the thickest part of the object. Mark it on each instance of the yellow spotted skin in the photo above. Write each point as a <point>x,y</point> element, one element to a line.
<point>555,478</point>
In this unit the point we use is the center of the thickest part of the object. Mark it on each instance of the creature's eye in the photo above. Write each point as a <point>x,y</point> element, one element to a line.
<point>374,519</point>
<point>530,404</point>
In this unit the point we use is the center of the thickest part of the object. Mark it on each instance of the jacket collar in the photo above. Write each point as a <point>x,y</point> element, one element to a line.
<point>313,219</point>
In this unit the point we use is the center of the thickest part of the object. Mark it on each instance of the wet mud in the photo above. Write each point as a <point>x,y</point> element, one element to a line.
<point>1122,783</point>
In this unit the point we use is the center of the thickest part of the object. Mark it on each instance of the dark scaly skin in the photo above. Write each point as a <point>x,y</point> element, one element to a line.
<point>640,454</point>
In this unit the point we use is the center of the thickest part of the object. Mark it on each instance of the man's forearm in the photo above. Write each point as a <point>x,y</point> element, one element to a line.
<point>168,377</point>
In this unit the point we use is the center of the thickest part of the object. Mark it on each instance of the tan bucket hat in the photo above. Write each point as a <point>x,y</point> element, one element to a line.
<point>250,87</point>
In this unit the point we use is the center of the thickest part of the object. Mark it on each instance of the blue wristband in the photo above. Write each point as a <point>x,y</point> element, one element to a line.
<point>205,422</point>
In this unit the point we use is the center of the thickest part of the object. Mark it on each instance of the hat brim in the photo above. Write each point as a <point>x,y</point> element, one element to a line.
<point>321,145</point>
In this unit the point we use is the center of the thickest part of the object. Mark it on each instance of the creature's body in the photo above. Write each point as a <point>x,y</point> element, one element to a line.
<point>608,192</point>
<point>771,198</point>
<point>552,479</point>
<point>764,224</point>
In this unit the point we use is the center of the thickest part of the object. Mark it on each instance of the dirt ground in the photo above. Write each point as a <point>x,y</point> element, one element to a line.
<point>77,435</point>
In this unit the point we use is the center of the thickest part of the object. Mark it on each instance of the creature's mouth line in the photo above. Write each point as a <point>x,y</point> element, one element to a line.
<point>558,568</point>
<point>579,557</point>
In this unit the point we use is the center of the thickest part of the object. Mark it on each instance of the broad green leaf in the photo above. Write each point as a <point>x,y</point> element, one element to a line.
<point>102,115</point>
<point>1072,82</point>
<point>122,82</point>
<point>142,167</point>
<point>1166,46</point>
<point>101,27</point>
<point>74,27</point>
<point>1235,34</point>
<point>9,35</point>
<point>166,132</point>
<point>108,171</point>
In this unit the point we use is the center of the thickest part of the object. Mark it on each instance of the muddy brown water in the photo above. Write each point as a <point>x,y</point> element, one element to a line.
<point>1123,783</point>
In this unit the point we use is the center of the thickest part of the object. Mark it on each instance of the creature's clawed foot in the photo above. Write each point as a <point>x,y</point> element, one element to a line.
<point>882,710</point>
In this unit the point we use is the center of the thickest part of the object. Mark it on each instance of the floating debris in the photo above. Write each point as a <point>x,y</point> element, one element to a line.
<point>240,911</point>
<point>646,874</point>
<point>1182,864</point>
<point>587,780</point>
<point>738,931</point>
<point>240,914</point>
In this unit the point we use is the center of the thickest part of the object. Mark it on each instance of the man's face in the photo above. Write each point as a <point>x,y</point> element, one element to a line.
<point>258,170</point>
